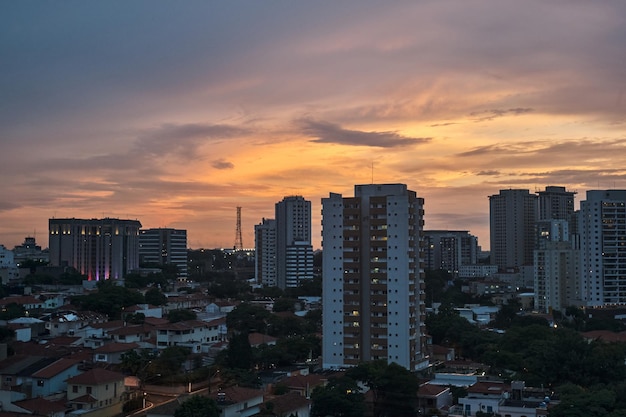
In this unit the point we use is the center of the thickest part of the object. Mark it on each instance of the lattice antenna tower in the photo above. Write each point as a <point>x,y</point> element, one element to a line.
<point>238,239</point>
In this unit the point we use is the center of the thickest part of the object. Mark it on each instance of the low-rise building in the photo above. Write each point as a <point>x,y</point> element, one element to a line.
<point>96,393</point>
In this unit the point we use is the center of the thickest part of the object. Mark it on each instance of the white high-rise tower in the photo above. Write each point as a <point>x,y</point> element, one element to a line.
<point>373,287</point>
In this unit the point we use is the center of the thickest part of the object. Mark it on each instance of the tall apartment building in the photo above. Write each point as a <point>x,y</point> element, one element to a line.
<point>99,248</point>
<point>265,252</point>
<point>512,217</point>
<point>163,246</point>
<point>602,229</point>
<point>373,277</point>
<point>556,203</point>
<point>449,250</point>
<point>556,263</point>
<point>294,251</point>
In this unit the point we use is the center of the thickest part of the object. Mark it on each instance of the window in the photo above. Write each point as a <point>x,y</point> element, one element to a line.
<point>74,388</point>
<point>89,390</point>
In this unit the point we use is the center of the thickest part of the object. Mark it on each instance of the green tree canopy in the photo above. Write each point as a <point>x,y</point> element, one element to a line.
<point>155,297</point>
<point>175,316</point>
<point>198,406</point>
<point>247,317</point>
<point>395,388</point>
<point>341,397</point>
<point>109,299</point>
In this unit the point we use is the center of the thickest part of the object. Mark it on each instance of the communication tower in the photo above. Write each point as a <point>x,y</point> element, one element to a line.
<point>238,239</point>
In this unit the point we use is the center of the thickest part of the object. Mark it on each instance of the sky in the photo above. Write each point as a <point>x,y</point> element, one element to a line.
<point>177,113</point>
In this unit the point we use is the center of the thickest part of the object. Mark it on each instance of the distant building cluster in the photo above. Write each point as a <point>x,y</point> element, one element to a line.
<point>283,248</point>
<point>376,252</point>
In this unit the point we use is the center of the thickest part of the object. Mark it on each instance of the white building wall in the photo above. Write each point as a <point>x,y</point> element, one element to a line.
<point>332,282</point>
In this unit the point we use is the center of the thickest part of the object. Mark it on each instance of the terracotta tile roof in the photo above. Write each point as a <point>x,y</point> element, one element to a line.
<point>257,339</point>
<point>155,321</point>
<point>85,399</point>
<point>46,349</point>
<point>605,335</point>
<point>20,299</point>
<point>14,364</point>
<point>41,406</point>
<point>495,388</point>
<point>55,368</point>
<point>130,330</point>
<point>288,403</point>
<point>96,376</point>
<point>64,340</point>
<point>301,381</point>
<point>114,324</point>
<point>115,347</point>
<point>182,325</point>
<point>429,390</point>
<point>217,322</point>
<point>237,394</point>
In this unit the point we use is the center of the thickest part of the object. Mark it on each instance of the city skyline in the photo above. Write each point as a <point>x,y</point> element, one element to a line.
<point>176,114</point>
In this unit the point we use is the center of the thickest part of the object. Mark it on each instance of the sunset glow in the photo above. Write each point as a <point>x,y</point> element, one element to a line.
<point>174,114</point>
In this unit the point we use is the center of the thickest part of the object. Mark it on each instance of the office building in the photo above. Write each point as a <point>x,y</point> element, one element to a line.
<point>265,252</point>
<point>294,251</point>
<point>373,277</point>
<point>512,217</point>
<point>602,230</point>
<point>99,248</point>
<point>448,250</point>
<point>164,246</point>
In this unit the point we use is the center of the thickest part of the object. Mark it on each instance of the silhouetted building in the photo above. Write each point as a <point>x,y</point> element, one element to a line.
<point>265,252</point>
<point>99,248</point>
<point>512,217</point>
<point>164,246</point>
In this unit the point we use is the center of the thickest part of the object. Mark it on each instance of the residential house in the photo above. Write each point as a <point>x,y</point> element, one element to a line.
<point>42,407</point>
<point>290,404</point>
<point>132,333</point>
<point>15,369</point>
<point>69,322</point>
<point>238,401</point>
<point>189,333</point>
<point>97,392</point>
<point>484,396</point>
<point>111,353</point>
<point>304,385</point>
<point>52,379</point>
<point>433,399</point>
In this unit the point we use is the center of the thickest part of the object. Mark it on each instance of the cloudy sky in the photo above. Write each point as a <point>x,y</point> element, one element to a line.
<point>175,113</point>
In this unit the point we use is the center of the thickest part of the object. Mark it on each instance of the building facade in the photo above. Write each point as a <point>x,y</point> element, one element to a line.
<point>294,251</point>
<point>556,203</point>
<point>373,277</point>
<point>265,252</point>
<point>99,248</point>
<point>164,246</point>
<point>449,250</point>
<point>556,264</point>
<point>512,217</point>
<point>602,229</point>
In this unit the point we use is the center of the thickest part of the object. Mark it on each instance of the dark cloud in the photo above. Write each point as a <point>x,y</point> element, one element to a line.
<point>222,164</point>
<point>326,132</point>
<point>488,173</point>
<point>480,116</point>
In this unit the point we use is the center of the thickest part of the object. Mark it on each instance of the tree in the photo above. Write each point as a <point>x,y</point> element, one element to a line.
<point>110,299</point>
<point>247,317</point>
<point>171,359</point>
<point>155,297</point>
<point>239,351</point>
<point>284,304</point>
<point>395,388</point>
<point>175,316</point>
<point>198,406</point>
<point>341,397</point>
